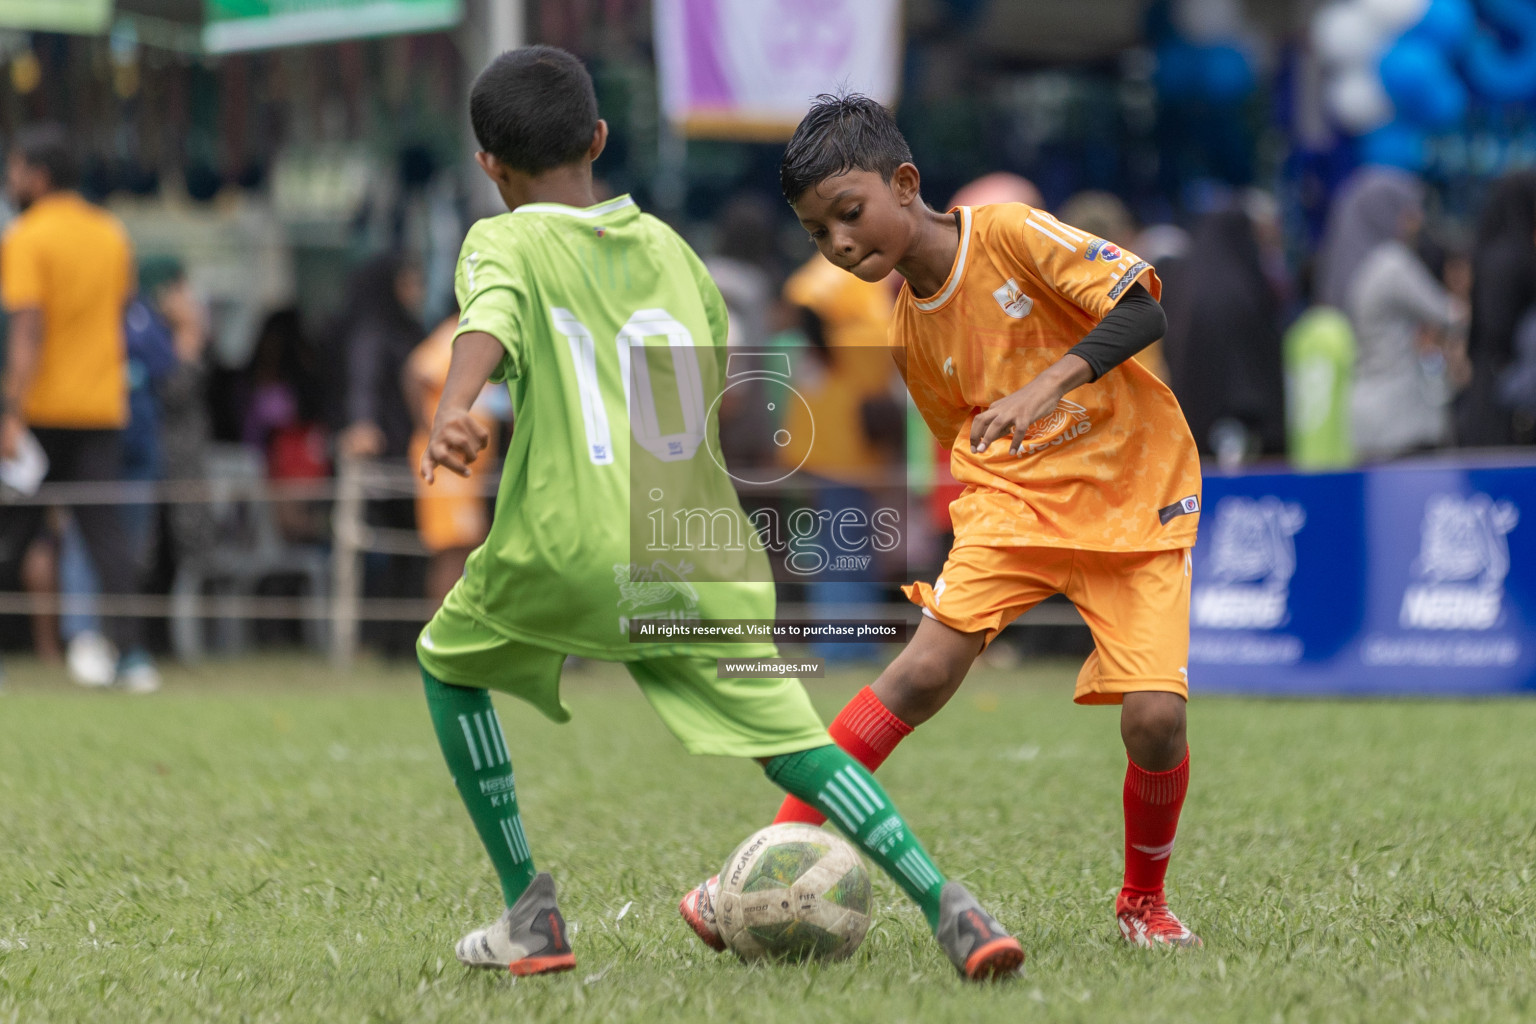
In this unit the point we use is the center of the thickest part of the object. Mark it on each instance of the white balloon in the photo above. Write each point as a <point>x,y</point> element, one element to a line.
<point>1358,102</point>
<point>1344,33</point>
<point>1395,16</point>
<point>1209,21</point>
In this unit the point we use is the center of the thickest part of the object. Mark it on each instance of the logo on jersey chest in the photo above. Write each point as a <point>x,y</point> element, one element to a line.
<point>1014,302</point>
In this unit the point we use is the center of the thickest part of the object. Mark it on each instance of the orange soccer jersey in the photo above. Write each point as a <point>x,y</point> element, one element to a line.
<point>1025,288</point>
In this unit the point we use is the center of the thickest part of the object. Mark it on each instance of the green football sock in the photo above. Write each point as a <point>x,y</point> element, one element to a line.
<point>837,786</point>
<point>476,751</point>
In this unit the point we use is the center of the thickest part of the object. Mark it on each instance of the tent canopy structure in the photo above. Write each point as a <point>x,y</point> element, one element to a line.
<point>224,26</point>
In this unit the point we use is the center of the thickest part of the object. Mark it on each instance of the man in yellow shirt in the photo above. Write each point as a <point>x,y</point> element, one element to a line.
<point>66,274</point>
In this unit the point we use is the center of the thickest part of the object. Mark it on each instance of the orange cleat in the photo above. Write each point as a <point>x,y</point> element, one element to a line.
<point>698,909</point>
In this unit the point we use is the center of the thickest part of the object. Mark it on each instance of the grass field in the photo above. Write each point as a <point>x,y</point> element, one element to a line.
<point>267,842</point>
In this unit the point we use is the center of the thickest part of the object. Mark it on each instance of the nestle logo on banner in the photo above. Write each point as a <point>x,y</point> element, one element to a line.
<point>1251,564</point>
<point>1463,559</point>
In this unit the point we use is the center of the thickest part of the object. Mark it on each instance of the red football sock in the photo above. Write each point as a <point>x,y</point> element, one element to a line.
<point>1152,804</point>
<point>868,731</point>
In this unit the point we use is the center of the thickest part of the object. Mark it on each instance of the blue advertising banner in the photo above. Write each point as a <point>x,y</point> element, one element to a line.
<point>1413,578</point>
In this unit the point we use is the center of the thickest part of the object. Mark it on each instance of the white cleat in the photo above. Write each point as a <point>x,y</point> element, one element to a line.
<point>528,938</point>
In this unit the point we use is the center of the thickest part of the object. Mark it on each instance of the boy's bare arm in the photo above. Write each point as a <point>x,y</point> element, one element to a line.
<point>1012,414</point>
<point>457,438</point>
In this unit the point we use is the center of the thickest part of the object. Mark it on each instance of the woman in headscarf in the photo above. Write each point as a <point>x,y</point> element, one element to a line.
<point>1408,333</point>
<point>1503,290</point>
<point>1368,211</point>
<point>1223,343</point>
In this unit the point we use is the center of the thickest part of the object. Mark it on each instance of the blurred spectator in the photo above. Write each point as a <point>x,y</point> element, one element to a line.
<point>281,417</point>
<point>151,357</point>
<point>378,330</point>
<point>1409,338</point>
<point>998,187</point>
<point>184,421</point>
<point>66,270</point>
<point>745,267</point>
<point>1163,246</point>
<point>1223,343</point>
<point>1263,211</point>
<point>1319,354</point>
<point>1517,383</point>
<point>1503,292</point>
<point>1103,215</point>
<point>1368,210</point>
<point>1100,214</point>
<point>452,515</point>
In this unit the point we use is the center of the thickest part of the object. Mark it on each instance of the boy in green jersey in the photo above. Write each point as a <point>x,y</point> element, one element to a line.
<point>571,302</point>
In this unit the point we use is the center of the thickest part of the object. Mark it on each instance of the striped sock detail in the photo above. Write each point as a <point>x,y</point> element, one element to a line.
<point>469,741</point>
<point>499,736</point>
<point>517,843</point>
<point>870,720</point>
<point>862,789</point>
<point>917,869</point>
<point>834,801</point>
<point>487,743</point>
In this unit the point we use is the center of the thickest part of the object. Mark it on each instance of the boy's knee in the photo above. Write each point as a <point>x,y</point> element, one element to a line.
<point>927,674</point>
<point>1152,719</point>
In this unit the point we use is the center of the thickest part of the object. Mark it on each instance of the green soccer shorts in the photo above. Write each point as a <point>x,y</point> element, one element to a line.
<point>725,717</point>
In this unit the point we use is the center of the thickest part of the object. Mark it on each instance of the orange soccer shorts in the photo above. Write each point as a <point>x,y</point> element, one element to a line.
<point>1136,604</point>
<point>451,512</point>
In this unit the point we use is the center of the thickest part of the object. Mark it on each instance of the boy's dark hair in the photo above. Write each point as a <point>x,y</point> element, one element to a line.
<point>48,146</point>
<point>534,109</point>
<point>841,133</point>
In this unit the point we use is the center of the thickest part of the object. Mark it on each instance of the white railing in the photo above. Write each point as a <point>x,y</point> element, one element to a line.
<point>335,608</point>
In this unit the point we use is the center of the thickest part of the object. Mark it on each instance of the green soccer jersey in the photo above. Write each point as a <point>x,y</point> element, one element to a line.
<point>615,355</point>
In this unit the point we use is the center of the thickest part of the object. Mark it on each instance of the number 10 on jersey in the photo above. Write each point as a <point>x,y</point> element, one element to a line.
<point>639,395</point>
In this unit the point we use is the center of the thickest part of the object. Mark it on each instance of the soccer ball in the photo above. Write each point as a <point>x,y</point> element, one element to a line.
<point>793,892</point>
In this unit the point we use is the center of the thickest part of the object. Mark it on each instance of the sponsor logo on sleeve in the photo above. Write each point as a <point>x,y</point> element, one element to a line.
<point>1092,252</point>
<point>1110,252</point>
<point>1130,276</point>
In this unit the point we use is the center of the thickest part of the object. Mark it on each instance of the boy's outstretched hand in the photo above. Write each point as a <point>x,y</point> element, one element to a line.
<point>1013,414</point>
<point>457,440</point>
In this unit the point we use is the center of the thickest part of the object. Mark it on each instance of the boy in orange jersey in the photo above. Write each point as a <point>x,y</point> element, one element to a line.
<point>1005,312</point>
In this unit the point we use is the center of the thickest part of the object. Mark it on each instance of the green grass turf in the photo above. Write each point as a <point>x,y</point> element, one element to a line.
<point>267,842</point>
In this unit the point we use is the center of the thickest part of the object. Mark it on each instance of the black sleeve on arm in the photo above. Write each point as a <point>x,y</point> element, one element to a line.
<point>1135,322</point>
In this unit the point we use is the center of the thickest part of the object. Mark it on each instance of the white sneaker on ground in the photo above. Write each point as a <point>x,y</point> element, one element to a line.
<point>136,673</point>
<point>91,659</point>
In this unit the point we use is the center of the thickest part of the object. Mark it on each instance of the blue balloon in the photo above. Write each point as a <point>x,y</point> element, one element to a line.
<point>1226,75</point>
<point>1447,25</point>
<point>1494,72</point>
<point>1410,70</point>
<point>1423,86</point>
<point>1396,145</point>
<point>1445,105</point>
